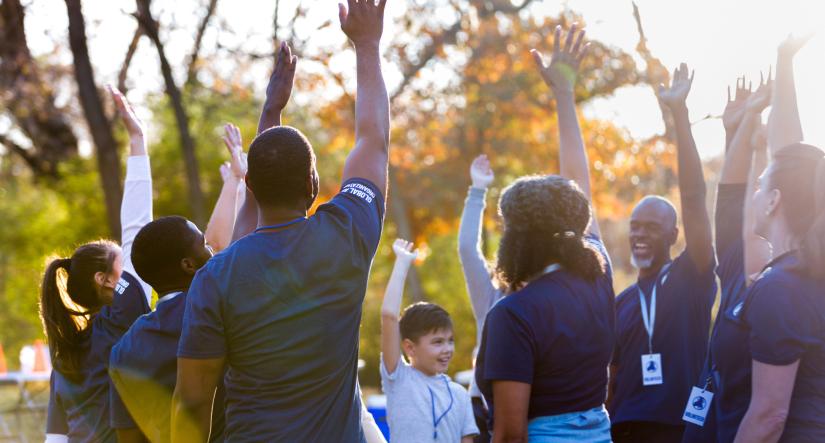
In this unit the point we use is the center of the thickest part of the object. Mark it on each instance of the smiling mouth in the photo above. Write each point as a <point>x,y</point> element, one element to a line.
<point>445,360</point>
<point>641,248</point>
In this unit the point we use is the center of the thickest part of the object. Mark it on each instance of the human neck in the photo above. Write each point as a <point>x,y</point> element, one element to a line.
<point>277,216</point>
<point>423,370</point>
<point>781,241</point>
<point>653,270</point>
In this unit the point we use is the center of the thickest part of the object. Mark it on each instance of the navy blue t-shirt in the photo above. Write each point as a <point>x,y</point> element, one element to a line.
<point>80,408</point>
<point>785,313</point>
<point>556,334</point>
<point>143,368</point>
<point>683,307</point>
<point>284,307</point>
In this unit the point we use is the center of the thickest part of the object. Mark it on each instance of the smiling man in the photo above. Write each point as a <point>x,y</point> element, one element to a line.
<point>663,319</point>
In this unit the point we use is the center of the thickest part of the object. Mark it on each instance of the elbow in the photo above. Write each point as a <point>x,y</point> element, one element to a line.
<point>772,421</point>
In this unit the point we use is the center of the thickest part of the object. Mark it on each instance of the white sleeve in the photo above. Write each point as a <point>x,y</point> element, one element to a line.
<point>388,380</point>
<point>368,425</point>
<point>56,438</point>
<point>135,210</point>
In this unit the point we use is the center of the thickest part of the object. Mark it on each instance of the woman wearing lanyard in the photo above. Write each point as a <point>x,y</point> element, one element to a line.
<point>542,364</point>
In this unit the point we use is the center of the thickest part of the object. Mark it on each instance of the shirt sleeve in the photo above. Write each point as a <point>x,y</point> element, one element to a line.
<point>510,353</point>
<point>129,302</point>
<point>683,271</point>
<point>782,323</point>
<point>56,421</point>
<point>202,335</point>
<point>119,416</point>
<point>389,381</point>
<point>730,215</point>
<point>135,210</point>
<point>363,204</point>
<point>470,427</point>
<point>473,264</point>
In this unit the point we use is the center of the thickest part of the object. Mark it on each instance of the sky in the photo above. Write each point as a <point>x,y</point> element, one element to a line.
<point>719,39</point>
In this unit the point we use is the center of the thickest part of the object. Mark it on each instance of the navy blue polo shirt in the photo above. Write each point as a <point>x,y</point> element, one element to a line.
<point>283,306</point>
<point>143,367</point>
<point>556,334</point>
<point>729,221</point>
<point>785,313</point>
<point>683,307</point>
<point>80,408</point>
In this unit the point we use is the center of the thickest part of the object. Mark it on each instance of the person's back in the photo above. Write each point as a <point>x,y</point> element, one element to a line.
<point>571,325</point>
<point>290,307</point>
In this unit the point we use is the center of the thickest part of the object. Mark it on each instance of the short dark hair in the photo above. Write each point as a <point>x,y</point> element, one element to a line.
<point>421,318</point>
<point>159,248</point>
<point>281,161</point>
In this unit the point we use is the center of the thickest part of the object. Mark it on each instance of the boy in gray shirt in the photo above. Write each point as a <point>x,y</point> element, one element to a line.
<point>422,403</point>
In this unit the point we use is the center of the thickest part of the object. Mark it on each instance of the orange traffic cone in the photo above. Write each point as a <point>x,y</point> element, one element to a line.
<point>3,368</point>
<point>40,358</point>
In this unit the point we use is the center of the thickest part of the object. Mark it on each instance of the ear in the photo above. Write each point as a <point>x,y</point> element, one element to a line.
<point>674,236</point>
<point>312,188</point>
<point>188,266</point>
<point>774,200</point>
<point>100,278</point>
<point>409,348</point>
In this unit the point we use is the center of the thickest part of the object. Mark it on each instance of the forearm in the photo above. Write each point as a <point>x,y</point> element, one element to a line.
<point>270,116</point>
<point>222,222</point>
<point>395,288</point>
<point>191,417</point>
<point>135,208</point>
<point>784,125</point>
<point>738,159</point>
<point>572,156</point>
<point>757,427</point>
<point>247,219</point>
<point>372,107</point>
<point>473,264</point>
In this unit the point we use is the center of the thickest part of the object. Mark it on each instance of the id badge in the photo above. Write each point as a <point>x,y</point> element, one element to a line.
<point>698,406</point>
<point>652,369</point>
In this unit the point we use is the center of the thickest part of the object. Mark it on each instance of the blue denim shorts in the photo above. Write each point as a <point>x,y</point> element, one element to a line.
<point>591,426</point>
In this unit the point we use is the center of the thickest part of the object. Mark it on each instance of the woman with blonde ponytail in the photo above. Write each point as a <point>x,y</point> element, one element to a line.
<point>88,301</point>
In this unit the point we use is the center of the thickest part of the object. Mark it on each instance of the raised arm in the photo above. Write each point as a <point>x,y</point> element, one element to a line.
<point>757,250</point>
<point>560,76</point>
<point>473,264</point>
<point>136,206</point>
<point>698,234</point>
<point>279,89</point>
<point>222,222</point>
<point>734,111</point>
<point>784,126</point>
<point>391,307</point>
<point>363,22</point>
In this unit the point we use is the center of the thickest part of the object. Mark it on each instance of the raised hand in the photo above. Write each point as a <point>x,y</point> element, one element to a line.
<point>560,74</point>
<point>480,172</point>
<point>761,98</point>
<point>133,124</point>
<point>676,95</point>
<point>362,21</point>
<point>792,44</point>
<point>234,144</point>
<point>280,84</point>
<point>404,251</point>
<point>735,108</point>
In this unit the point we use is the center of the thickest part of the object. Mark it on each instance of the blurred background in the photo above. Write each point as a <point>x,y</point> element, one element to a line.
<point>461,83</point>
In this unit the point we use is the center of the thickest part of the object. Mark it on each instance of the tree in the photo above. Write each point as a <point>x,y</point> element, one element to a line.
<point>99,124</point>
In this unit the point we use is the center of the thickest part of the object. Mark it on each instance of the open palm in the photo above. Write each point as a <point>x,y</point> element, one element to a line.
<point>679,89</point>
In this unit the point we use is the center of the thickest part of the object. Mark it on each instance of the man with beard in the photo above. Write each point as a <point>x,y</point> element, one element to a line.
<point>663,319</point>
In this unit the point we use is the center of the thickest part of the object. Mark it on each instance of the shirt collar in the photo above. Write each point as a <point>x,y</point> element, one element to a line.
<point>168,296</point>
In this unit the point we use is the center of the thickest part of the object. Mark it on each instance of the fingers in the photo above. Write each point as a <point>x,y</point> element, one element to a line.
<point>729,94</point>
<point>537,57</point>
<point>577,48</point>
<point>381,5</point>
<point>342,12</point>
<point>568,43</point>
<point>583,52</point>
<point>557,40</point>
<point>692,75</point>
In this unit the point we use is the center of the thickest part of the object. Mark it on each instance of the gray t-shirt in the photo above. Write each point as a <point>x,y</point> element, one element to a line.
<point>411,396</point>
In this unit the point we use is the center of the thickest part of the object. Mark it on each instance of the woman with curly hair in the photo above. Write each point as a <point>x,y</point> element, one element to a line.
<point>542,365</point>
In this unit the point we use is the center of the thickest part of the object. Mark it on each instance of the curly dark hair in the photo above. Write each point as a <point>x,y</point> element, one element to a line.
<point>545,218</point>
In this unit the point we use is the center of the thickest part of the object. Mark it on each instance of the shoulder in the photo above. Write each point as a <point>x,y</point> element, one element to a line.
<point>626,295</point>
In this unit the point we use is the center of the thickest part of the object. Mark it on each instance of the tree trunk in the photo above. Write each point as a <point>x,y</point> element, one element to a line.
<point>108,164</point>
<point>192,72</point>
<point>29,100</point>
<point>196,200</point>
<point>402,224</point>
